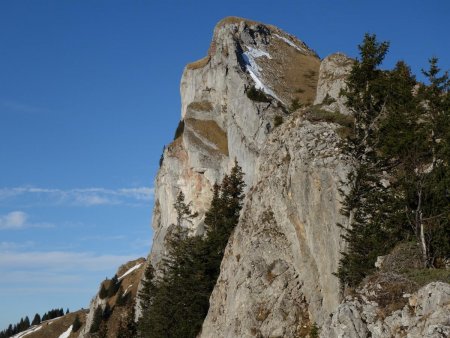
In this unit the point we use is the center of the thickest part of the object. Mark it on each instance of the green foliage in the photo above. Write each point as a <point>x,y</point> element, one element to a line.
<point>257,95</point>
<point>314,331</point>
<point>328,100</point>
<point>36,319</point>
<point>127,326</point>
<point>96,320</point>
<point>103,293</point>
<point>175,304</point>
<point>76,325</point>
<point>425,276</point>
<point>316,114</point>
<point>114,286</point>
<point>295,104</point>
<point>107,312</point>
<point>180,130</point>
<point>401,134</point>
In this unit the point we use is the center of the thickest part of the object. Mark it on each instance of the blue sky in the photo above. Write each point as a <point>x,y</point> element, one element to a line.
<point>89,94</point>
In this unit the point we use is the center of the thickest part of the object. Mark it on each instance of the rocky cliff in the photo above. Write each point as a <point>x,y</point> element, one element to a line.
<point>277,275</point>
<point>220,122</point>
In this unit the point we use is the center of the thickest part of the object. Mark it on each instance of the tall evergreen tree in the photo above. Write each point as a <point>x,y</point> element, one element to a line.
<point>76,325</point>
<point>176,304</point>
<point>399,191</point>
<point>36,319</point>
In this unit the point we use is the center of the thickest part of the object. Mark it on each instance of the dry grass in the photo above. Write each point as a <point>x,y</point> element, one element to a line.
<point>199,63</point>
<point>425,276</point>
<point>55,327</point>
<point>200,106</point>
<point>316,114</point>
<point>210,130</point>
<point>389,295</point>
<point>292,74</point>
<point>235,20</point>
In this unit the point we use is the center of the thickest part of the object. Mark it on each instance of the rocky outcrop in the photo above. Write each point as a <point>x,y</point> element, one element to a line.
<point>220,122</point>
<point>276,277</point>
<point>426,314</point>
<point>129,276</point>
<point>277,273</point>
<point>334,70</point>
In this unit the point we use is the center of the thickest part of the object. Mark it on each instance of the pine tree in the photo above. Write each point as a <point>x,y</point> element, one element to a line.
<point>76,325</point>
<point>127,326</point>
<point>103,293</point>
<point>175,304</point>
<point>402,133</point>
<point>36,319</point>
<point>97,320</point>
<point>113,286</point>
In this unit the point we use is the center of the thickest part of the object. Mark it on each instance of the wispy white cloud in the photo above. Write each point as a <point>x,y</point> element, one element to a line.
<point>80,196</point>
<point>21,107</point>
<point>13,220</point>
<point>16,220</point>
<point>55,261</point>
<point>8,246</point>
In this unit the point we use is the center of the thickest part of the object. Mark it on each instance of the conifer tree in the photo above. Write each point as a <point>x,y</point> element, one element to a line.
<point>76,325</point>
<point>36,319</point>
<point>176,303</point>
<point>402,133</point>
<point>96,320</point>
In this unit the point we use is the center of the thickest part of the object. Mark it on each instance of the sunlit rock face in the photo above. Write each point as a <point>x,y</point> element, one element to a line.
<point>220,122</point>
<point>277,274</point>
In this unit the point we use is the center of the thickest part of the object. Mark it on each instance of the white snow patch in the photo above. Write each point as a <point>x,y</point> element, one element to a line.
<point>66,334</point>
<point>126,290</point>
<point>130,271</point>
<point>290,43</point>
<point>256,53</point>
<point>27,332</point>
<point>254,70</point>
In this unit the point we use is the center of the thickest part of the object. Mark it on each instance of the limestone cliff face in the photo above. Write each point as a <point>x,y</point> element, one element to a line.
<point>220,122</point>
<point>276,276</point>
<point>426,315</point>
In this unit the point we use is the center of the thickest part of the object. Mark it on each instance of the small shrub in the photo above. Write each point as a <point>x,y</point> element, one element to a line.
<point>257,95</point>
<point>295,104</point>
<point>316,114</point>
<point>180,130</point>
<point>97,320</point>
<point>299,90</point>
<point>328,100</point>
<point>425,276</point>
<point>113,286</point>
<point>314,331</point>
<point>103,291</point>
<point>76,324</point>
<point>277,121</point>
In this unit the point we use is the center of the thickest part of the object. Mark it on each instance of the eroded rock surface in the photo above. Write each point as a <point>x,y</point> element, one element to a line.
<point>426,314</point>
<point>220,122</point>
<point>277,274</point>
